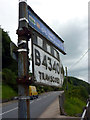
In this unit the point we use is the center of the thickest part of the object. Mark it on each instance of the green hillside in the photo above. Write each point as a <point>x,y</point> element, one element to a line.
<point>76,95</point>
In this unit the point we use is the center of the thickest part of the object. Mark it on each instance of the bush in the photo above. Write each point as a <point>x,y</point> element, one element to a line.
<point>83,92</point>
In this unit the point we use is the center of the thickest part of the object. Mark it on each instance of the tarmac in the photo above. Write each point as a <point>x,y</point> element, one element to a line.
<point>53,111</point>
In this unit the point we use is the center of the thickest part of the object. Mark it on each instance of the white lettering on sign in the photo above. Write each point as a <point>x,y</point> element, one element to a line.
<point>47,68</point>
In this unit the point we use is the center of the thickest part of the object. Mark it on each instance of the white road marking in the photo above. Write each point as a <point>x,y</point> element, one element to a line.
<point>9,111</point>
<point>31,102</point>
<point>38,99</point>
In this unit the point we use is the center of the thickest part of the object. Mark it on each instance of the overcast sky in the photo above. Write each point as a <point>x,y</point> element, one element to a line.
<point>69,19</point>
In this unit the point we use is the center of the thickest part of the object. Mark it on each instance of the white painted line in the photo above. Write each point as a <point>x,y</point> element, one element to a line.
<point>9,111</point>
<point>31,102</point>
<point>38,99</point>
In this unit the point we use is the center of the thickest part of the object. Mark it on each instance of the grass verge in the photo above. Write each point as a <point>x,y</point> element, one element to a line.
<point>73,106</point>
<point>7,92</point>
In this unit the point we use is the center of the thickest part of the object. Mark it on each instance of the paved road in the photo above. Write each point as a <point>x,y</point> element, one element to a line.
<point>37,106</point>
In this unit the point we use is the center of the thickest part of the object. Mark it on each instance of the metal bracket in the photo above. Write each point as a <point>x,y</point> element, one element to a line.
<point>22,42</point>
<point>23,32</point>
<point>25,80</point>
<point>22,50</point>
<point>24,97</point>
<point>22,19</point>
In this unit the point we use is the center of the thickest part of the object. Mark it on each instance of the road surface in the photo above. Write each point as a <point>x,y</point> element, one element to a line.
<point>37,106</point>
